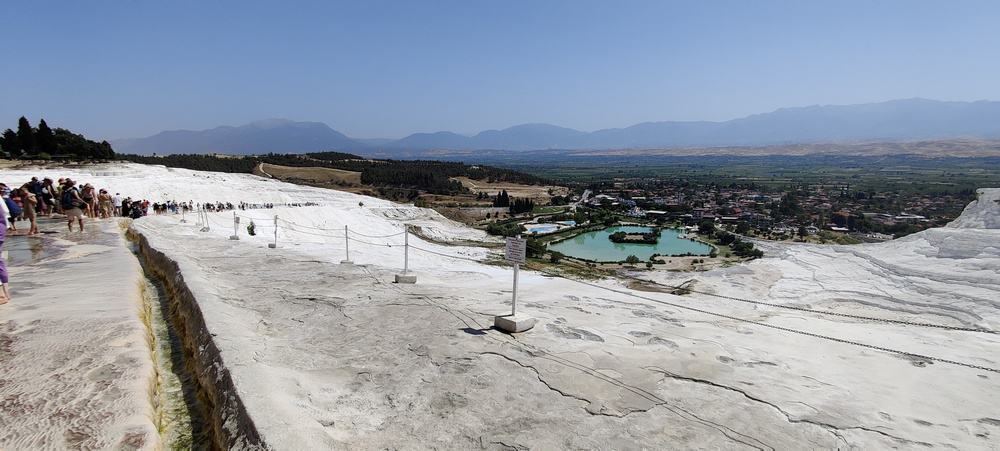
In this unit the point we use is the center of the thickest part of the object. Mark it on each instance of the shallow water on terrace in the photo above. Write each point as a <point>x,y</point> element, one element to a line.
<point>178,412</point>
<point>23,250</point>
<point>179,417</point>
<point>597,246</point>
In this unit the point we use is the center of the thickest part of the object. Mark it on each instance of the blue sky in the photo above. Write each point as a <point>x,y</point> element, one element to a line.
<point>115,69</point>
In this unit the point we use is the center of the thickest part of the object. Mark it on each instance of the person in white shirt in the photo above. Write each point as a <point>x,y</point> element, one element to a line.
<point>116,204</point>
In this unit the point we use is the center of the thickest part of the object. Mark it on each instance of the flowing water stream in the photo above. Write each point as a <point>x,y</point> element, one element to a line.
<point>178,411</point>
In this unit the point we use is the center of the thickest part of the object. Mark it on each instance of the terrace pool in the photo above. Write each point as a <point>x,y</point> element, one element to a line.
<point>598,247</point>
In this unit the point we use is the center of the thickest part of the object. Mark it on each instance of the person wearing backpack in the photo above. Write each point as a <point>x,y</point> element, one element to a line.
<point>46,203</point>
<point>72,204</point>
<point>13,210</point>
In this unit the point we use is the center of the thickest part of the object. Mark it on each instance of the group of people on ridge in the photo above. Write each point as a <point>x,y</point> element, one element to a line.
<point>29,201</point>
<point>45,198</point>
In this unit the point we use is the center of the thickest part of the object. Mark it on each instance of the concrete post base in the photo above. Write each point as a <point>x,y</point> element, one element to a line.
<point>513,323</point>
<point>272,245</point>
<point>406,278</point>
<point>233,237</point>
<point>346,262</point>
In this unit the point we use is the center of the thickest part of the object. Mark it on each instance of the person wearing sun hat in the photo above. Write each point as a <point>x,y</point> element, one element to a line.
<point>72,204</point>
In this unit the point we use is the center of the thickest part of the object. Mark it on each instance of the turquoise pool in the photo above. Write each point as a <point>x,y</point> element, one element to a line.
<point>597,247</point>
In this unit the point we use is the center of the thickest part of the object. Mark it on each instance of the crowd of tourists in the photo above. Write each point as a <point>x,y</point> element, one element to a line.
<point>48,198</point>
<point>66,197</point>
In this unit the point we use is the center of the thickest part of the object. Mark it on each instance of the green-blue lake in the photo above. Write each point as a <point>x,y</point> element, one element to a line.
<point>597,246</point>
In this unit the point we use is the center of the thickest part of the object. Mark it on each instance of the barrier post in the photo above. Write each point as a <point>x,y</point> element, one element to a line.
<point>513,296</point>
<point>515,254</point>
<point>275,243</point>
<point>205,226</point>
<point>404,277</point>
<point>182,216</point>
<point>236,227</point>
<point>347,247</point>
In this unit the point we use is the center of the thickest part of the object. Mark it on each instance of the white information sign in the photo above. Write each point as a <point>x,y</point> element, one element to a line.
<point>516,249</point>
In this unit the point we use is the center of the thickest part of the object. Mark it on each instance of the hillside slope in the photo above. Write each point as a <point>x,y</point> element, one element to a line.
<point>982,213</point>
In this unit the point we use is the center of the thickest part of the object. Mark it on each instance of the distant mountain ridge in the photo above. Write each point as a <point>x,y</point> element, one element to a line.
<point>271,135</point>
<point>907,119</point>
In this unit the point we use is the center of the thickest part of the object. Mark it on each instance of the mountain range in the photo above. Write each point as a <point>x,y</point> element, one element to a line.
<point>895,120</point>
<point>271,135</point>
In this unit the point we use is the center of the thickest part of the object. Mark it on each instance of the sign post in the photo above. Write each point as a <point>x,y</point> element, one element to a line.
<point>347,248</point>
<point>274,245</point>
<point>515,253</point>
<point>405,277</point>
<point>236,227</point>
<point>205,226</point>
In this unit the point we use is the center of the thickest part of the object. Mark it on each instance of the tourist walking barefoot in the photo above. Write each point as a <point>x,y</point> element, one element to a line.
<point>90,199</point>
<point>104,204</point>
<point>30,202</point>
<point>72,204</point>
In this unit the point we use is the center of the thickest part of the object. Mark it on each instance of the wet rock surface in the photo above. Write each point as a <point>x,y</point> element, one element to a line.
<point>74,366</point>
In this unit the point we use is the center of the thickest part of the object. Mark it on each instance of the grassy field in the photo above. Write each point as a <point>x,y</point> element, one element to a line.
<point>539,192</point>
<point>314,175</point>
<point>548,209</point>
<point>460,207</point>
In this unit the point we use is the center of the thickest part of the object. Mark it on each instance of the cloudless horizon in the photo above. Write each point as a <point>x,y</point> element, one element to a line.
<point>388,69</point>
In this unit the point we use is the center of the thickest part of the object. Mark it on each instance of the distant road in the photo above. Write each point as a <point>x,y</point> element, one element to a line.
<point>583,198</point>
<point>260,167</point>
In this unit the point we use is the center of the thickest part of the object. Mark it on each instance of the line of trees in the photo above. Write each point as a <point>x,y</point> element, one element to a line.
<point>739,247</point>
<point>514,205</point>
<point>44,143</point>
<point>521,205</point>
<point>431,176</point>
<point>404,176</point>
<point>198,162</point>
<point>501,199</point>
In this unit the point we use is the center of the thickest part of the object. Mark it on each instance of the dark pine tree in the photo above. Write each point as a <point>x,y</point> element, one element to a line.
<point>9,143</point>
<point>25,137</point>
<point>44,140</point>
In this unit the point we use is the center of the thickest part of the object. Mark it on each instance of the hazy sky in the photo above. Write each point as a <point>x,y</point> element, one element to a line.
<point>115,69</point>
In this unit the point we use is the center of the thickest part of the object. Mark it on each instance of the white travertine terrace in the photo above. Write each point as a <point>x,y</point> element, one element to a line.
<point>334,356</point>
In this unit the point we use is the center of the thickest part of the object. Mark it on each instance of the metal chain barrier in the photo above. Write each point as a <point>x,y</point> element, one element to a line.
<point>374,244</point>
<point>376,236</point>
